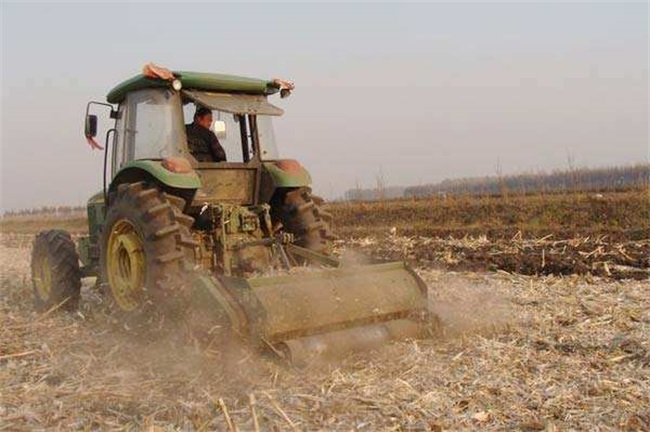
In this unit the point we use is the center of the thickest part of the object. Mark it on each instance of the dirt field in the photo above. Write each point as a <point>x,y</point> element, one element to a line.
<point>621,216</point>
<point>519,353</point>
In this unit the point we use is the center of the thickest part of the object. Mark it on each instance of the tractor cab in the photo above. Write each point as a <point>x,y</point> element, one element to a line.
<point>243,124</point>
<point>149,138</point>
<point>150,125</point>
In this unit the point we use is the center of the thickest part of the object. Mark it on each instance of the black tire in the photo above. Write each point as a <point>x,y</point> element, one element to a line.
<point>56,276</point>
<point>165,249</point>
<point>301,215</point>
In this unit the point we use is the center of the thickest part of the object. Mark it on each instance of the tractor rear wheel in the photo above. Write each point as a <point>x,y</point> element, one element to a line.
<point>301,215</point>
<point>55,271</point>
<point>145,248</point>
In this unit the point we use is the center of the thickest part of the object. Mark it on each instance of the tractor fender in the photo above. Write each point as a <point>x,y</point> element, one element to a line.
<point>138,170</point>
<point>284,173</point>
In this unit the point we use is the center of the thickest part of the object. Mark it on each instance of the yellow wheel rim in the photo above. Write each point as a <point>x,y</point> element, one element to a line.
<point>43,278</point>
<point>126,265</point>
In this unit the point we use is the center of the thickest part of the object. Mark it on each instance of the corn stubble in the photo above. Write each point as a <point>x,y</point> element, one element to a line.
<point>547,350</point>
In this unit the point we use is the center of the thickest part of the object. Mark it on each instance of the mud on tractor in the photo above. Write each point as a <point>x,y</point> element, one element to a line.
<point>167,228</point>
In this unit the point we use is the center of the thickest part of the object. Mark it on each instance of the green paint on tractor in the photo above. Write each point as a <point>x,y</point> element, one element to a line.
<point>218,83</point>
<point>154,168</point>
<point>287,173</point>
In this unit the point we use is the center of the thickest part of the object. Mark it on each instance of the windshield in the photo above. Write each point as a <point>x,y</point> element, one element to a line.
<point>268,148</point>
<point>154,127</point>
<point>230,135</point>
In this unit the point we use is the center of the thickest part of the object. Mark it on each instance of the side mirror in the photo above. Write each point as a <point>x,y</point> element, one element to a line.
<point>219,129</point>
<point>90,129</point>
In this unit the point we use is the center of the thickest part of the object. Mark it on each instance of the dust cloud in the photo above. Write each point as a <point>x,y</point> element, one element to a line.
<point>468,306</point>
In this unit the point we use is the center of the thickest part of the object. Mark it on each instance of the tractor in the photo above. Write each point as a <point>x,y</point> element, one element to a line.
<point>245,239</point>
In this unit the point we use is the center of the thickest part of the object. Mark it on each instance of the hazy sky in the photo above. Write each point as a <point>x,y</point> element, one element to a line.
<point>418,92</point>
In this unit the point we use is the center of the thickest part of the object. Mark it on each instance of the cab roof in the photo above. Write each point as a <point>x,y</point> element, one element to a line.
<point>197,81</point>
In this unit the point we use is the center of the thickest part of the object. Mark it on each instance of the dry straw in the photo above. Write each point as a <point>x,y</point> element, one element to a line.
<point>518,353</point>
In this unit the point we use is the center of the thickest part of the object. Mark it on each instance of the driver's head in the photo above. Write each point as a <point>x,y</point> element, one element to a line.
<point>203,117</point>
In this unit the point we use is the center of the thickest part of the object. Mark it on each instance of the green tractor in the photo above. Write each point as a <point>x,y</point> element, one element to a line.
<point>245,240</point>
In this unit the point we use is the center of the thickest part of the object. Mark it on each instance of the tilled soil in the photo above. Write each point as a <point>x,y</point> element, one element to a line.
<point>591,256</point>
<point>518,353</point>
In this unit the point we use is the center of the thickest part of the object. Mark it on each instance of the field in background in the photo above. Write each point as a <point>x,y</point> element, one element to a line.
<point>73,222</point>
<point>605,179</point>
<point>605,234</point>
<point>619,214</point>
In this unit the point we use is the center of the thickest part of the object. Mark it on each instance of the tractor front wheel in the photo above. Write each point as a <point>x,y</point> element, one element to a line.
<point>55,271</point>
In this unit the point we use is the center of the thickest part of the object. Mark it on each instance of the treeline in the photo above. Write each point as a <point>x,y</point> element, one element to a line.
<point>570,180</point>
<point>55,211</point>
<point>375,194</point>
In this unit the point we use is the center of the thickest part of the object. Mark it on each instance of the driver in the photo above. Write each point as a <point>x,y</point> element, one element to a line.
<point>203,143</point>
